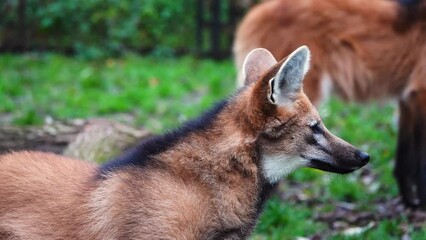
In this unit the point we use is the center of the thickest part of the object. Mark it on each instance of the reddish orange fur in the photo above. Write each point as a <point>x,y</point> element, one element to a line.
<point>364,49</point>
<point>358,43</point>
<point>41,193</point>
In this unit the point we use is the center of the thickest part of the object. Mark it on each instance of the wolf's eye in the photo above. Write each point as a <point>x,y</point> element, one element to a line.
<point>316,127</point>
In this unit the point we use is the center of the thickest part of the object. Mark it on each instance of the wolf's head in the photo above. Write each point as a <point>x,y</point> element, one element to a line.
<point>290,133</point>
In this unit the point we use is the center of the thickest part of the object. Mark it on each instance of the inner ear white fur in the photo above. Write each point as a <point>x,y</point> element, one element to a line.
<point>270,93</point>
<point>257,62</point>
<point>289,78</point>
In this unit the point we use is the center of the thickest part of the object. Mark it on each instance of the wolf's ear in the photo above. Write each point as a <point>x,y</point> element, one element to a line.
<point>257,62</point>
<point>289,78</point>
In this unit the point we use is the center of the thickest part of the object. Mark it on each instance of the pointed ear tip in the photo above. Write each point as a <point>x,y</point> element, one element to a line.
<point>259,51</point>
<point>305,49</point>
<point>259,54</point>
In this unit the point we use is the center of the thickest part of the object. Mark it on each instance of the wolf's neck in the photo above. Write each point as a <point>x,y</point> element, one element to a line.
<point>227,163</point>
<point>217,151</point>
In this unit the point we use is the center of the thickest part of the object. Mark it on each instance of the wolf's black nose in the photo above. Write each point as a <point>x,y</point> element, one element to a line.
<point>363,156</point>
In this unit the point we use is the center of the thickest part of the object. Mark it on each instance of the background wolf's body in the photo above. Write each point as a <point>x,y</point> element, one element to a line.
<point>362,50</point>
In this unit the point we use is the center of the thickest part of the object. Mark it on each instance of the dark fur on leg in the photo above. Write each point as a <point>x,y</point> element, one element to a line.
<point>418,100</point>
<point>410,169</point>
<point>405,167</point>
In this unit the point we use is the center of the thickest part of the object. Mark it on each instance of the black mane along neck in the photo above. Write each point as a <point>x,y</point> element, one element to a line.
<point>140,155</point>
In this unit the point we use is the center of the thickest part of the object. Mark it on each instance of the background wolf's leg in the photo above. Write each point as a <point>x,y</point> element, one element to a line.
<point>419,102</point>
<point>405,166</point>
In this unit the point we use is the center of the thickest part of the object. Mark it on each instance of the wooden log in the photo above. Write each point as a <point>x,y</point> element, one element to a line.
<point>100,140</point>
<point>95,140</point>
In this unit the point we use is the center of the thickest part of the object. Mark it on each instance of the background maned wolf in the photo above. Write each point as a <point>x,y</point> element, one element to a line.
<point>206,180</point>
<point>363,50</point>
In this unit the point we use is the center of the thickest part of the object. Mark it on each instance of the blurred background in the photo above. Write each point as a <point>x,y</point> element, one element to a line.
<point>113,50</point>
<point>95,29</point>
<point>146,66</point>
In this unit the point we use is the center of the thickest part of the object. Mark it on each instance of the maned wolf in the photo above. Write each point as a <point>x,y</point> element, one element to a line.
<point>206,180</point>
<point>363,50</point>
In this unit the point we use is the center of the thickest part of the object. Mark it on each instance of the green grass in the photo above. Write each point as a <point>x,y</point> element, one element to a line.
<point>161,93</point>
<point>284,221</point>
<point>158,92</point>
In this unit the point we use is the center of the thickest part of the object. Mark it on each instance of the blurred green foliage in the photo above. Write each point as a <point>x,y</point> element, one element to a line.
<point>98,28</point>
